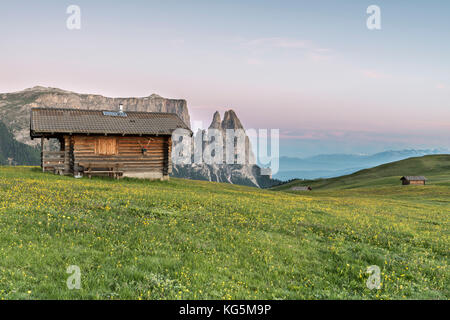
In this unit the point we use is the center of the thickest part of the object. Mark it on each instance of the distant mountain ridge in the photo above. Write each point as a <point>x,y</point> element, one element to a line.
<point>333,165</point>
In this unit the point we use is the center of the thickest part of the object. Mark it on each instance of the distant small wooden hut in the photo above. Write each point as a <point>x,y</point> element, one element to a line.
<point>417,180</point>
<point>306,188</point>
<point>115,144</point>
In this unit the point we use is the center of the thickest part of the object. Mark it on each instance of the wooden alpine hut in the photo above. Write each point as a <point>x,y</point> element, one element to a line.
<point>106,143</point>
<point>407,180</point>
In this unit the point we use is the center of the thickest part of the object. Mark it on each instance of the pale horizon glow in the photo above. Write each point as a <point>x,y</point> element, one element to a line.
<point>311,69</point>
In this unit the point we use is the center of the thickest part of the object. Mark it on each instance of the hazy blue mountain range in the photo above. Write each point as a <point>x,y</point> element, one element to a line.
<point>333,165</point>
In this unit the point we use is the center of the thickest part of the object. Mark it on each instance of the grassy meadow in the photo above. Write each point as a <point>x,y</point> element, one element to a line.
<point>436,168</point>
<point>183,239</point>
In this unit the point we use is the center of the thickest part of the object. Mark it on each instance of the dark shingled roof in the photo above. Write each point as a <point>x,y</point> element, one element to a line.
<point>50,121</point>
<point>414,178</point>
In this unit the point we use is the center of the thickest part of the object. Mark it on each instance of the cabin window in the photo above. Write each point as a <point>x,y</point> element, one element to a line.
<point>106,146</point>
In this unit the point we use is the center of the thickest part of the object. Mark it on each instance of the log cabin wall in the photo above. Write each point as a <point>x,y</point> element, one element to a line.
<point>142,157</point>
<point>67,147</point>
<point>414,182</point>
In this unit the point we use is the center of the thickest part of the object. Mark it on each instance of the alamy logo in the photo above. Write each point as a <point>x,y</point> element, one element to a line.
<point>374,20</point>
<point>374,280</point>
<point>74,20</point>
<point>74,280</point>
<point>230,146</point>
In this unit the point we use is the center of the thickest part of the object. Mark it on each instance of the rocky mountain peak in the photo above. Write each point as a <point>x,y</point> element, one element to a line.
<point>245,172</point>
<point>48,90</point>
<point>231,121</point>
<point>37,88</point>
<point>216,122</point>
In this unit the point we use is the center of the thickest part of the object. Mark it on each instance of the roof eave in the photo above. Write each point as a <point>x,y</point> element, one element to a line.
<point>39,134</point>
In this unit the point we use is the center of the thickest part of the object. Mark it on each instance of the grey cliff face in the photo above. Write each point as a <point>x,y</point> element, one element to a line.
<point>15,107</point>
<point>245,174</point>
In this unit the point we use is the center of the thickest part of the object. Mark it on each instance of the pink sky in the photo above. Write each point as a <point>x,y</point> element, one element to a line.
<point>314,72</point>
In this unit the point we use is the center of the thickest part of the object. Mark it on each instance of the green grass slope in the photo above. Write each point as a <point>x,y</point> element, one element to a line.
<point>436,168</point>
<point>20,152</point>
<point>199,240</point>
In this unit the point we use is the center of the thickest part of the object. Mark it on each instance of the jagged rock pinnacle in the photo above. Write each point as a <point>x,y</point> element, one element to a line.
<point>216,122</point>
<point>231,121</point>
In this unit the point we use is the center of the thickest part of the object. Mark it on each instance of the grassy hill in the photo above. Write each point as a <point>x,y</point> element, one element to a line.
<point>195,240</point>
<point>21,153</point>
<point>435,167</point>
